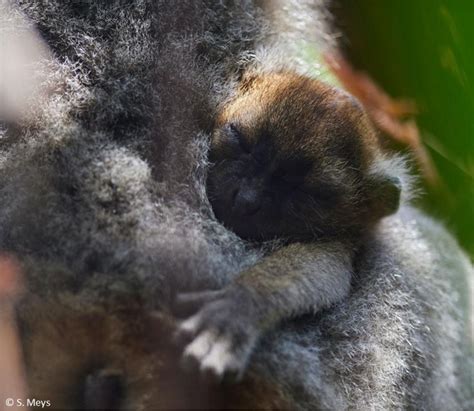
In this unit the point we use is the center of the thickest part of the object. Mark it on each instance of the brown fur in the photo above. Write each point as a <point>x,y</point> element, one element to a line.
<point>299,106</point>
<point>143,356</point>
<point>304,119</point>
<point>292,159</point>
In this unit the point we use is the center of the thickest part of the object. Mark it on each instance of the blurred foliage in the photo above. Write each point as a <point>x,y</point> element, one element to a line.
<point>424,50</point>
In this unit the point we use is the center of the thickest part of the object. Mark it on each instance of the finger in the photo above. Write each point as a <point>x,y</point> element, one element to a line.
<point>223,364</point>
<point>188,303</point>
<point>198,349</point>
<point>217,359</point>
<point>187,329</point>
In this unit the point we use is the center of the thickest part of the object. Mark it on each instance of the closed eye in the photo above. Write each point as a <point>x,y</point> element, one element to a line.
<point>238,136</point>
<point>292,180</point>
<point>324,194</point>
<point>293,174</point>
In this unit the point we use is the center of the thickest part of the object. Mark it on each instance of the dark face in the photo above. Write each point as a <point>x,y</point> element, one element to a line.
<point>289,157</point>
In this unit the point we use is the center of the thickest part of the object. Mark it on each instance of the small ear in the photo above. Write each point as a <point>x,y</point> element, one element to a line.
<point>385,193</point>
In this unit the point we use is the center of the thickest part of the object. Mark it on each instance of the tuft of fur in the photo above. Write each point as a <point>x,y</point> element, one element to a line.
<point>103,202</point>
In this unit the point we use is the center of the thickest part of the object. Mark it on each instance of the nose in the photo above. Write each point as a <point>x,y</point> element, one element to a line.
<point>247,201</point>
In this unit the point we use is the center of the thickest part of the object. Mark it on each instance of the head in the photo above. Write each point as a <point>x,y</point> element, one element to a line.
<point>294,158</point>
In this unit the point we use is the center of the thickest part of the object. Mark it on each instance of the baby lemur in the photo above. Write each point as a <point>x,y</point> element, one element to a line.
<point>297,160</point>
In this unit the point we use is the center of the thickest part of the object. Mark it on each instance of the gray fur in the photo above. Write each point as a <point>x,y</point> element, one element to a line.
<point>103,202</point>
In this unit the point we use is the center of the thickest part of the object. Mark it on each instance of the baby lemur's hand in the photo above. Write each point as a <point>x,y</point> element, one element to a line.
<point>222,330</point>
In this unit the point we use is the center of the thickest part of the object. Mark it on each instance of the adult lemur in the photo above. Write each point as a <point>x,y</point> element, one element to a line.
<point>104,202</point>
